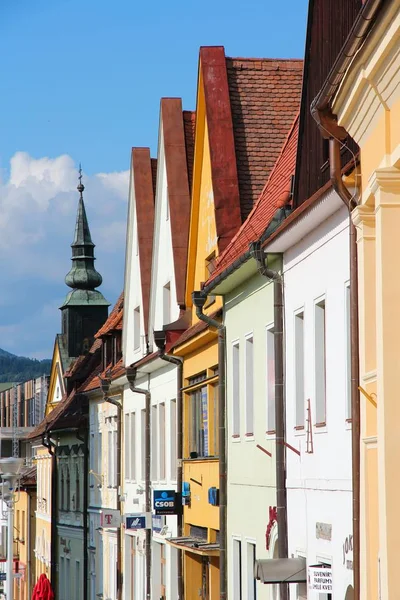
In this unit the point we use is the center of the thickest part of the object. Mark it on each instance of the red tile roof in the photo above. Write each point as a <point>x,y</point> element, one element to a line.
<point>114,321</point>
<point>274,195</point>
<point>265,98</point>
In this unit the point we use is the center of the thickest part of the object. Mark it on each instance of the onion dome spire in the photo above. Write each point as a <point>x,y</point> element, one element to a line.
<point>83,275</point>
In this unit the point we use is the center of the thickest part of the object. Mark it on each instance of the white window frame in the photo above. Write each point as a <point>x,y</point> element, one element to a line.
<point>347,333</point>
<point>270,388</point>
<point>235,378</point>
<point>299,369</point>
<point>249,388</point>
<point>136,328</point>
<point>173,421</point>
<point>320,416</point>
<point>162,458</point>
<point>251,582</point>
<point>237,568</point>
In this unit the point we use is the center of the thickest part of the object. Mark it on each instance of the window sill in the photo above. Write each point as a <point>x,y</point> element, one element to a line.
<point>320,428</point>
<point>236,439</point>
<point>200,458</point>
<point>299,430</point>
<point>249,437</point>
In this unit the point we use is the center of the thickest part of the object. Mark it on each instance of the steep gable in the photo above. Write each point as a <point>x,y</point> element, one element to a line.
<point>138,255</point>
<point>245,109</point>
<point>172,210</point>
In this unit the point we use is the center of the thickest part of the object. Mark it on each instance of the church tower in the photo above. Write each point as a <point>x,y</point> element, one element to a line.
<point>85,309</point>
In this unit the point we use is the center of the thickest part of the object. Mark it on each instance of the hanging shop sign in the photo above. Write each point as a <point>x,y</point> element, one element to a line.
<point>110,518</point>
<point>320,579</point>
<point>165,502</point>
<point>136,521</point>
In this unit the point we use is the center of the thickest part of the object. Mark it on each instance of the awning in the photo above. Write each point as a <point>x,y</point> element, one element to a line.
<point>281,570</point>
<point>194,545</point>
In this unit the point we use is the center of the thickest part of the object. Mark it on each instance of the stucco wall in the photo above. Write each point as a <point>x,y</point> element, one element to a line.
<point>251,472</point>
<point>319,480</point>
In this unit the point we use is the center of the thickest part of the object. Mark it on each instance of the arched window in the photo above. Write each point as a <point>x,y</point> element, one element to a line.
<point>68,490</point>
<point>77,489</point>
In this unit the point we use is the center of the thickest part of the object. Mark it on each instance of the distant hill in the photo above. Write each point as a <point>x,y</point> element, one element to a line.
<point>20,369</point>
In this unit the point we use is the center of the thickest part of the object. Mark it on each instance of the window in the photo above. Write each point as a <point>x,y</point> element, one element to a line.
<point>110,459</point>
<point>154,448</point>
<point>68,486</point>
<point>22,536</point>
<point>237,570</point>
<point>320,363</point>
<point>67,578</point>
<point>128,441</point>
<point>77,489</point>
<point>167,304</point>
<point>270,350</point>
<point>161,440</point>
<point>136,328</point>
<point>132,436</point>
<point>78,586</point>
<point>214,391</point>
<point>173,440</point>
<point>198,419</point>
<point>251,580</point>
<point>143,444</point>
<point>249,387</point>
<point>348,354</point>
<point>235,390</point>
<point>62,578</point>
<point>99,467</point>
<point>299,368</point>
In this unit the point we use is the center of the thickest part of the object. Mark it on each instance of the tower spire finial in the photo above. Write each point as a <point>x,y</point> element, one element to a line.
<point>80,187</point>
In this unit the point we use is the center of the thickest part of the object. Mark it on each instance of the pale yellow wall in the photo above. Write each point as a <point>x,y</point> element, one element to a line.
<point>368,106</point>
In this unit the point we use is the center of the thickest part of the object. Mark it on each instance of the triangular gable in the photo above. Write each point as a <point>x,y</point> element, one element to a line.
<point>138,248</point>
<point>245,108</point>
<point>215,204</point>
<point>172,211</point>
<point>59,366</point>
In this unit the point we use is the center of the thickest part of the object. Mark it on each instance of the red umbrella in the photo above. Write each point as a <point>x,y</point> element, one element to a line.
<point>43,589</point>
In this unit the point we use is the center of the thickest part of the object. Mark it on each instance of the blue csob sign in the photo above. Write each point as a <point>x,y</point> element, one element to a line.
<point>164,502</point>
<point>136,522</point>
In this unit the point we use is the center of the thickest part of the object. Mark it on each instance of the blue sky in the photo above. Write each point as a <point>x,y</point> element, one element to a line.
<point>82,81</point>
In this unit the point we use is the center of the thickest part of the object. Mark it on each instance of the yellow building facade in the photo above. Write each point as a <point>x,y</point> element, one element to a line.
<point>200,373</point>
<point>368,107</point>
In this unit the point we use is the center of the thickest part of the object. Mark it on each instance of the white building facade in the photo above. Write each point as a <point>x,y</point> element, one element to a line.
<point>318,405</point>
<point>150,303</point>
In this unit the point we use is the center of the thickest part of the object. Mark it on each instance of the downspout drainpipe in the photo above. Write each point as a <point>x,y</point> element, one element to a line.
<point>199,300</point>
<point>351,203</point>
<point>280,408</point>
<point>47,443</point>
<point>175,360</point>
<point>84,439</point>
<point>105,387</point>
<point>131,376</point>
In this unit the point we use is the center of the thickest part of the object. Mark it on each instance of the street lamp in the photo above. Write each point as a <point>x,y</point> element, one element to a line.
<point>9,470</point>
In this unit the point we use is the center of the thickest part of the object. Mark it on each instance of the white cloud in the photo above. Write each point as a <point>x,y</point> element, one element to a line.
<point>37,218</point>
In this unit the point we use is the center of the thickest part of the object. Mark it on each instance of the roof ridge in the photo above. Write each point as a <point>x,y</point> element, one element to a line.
<point>264,59</point>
